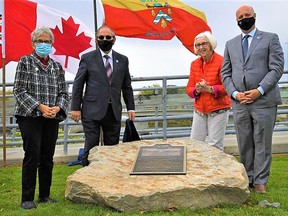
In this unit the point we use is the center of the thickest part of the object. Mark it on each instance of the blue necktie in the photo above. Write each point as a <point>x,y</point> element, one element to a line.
<point>245,46</point>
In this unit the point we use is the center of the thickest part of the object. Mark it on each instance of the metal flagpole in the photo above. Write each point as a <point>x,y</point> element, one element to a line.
<point>4,110</point>
<point>96,27</point>
<point>3,83</point>
<point>95,17</point>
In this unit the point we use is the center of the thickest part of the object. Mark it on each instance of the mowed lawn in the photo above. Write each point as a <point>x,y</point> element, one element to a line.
<point>10,195</point>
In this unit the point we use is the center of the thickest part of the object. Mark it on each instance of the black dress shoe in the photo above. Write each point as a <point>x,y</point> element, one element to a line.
<point>251,185</point>
<point>46,200</point>
<point>28,205</point>
<point>85,162</point>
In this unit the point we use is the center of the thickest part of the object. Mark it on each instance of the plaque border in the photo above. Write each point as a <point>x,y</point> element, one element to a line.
<point>183,172</point>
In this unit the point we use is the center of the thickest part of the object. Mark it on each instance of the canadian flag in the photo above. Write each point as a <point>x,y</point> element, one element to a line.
<point>21,17</point>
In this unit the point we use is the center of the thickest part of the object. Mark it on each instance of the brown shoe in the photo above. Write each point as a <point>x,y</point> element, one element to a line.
<point>260,188</point>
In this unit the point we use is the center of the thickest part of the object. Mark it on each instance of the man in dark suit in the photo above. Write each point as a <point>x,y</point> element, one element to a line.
<point>251,81</point>
<point>105,75</point>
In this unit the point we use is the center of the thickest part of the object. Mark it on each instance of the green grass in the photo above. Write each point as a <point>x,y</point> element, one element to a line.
<point>10,195</point>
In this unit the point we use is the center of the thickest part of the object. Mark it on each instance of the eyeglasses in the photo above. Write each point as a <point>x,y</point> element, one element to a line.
<point>43,41</point>
<point>204,44</point>
<point>108,37</point>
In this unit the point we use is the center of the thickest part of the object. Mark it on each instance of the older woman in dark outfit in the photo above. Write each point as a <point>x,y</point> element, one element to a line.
<point>41,103</point>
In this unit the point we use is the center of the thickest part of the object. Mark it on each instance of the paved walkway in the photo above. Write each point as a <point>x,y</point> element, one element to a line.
<point>15,155</point>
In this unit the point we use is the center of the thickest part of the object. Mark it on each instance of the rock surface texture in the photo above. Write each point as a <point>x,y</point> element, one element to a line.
<point>212,178</point>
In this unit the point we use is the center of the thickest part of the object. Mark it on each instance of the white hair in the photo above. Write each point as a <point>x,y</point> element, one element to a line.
<point>210,38</point>
<point>39,31</point>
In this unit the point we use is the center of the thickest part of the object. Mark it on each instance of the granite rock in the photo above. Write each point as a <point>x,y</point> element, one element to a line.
<point>212,178</point>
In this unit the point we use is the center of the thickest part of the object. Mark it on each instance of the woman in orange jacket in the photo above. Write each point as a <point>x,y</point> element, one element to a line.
<point>211,102</point>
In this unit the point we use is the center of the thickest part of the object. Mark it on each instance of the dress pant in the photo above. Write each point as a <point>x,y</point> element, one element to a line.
<point>39,138</point>
<point>254,130</point>
<point>110,127</point>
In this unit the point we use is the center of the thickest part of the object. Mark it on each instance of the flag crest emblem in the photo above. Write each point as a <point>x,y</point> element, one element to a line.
<point>155,20</point>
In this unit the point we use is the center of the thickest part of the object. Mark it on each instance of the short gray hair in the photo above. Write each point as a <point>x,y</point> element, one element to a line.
<point>39,31</point>
<point>105,26</point>
<point>210,38</point>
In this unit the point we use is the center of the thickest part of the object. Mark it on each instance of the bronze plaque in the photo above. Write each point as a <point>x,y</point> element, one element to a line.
<point>160,159</point>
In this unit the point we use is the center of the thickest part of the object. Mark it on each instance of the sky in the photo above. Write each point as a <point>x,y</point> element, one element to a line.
<point>148,58</point>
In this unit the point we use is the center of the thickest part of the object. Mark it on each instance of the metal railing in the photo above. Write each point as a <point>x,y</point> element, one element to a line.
<point>162,112</point>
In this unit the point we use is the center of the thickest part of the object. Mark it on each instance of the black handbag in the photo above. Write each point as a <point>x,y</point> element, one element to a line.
<point>130,132</point>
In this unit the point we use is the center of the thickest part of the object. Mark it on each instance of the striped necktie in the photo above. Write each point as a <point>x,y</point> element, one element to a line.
<point>108,67</point>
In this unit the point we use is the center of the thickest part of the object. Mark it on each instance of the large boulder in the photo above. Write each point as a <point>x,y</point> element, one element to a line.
<point>212,178</point>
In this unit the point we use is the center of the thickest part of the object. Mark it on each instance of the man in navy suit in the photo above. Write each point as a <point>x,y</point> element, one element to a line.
<point>100,106</point>
<point>251,81</point>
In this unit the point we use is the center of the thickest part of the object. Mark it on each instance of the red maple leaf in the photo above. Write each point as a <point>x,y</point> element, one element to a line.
<point>67,42</point>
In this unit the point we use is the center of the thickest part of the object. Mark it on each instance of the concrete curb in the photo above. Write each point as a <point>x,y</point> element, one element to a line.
<point>14,156</point>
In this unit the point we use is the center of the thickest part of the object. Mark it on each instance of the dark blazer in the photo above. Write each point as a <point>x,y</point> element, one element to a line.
<point>98,90</point>
<point>263,66</point>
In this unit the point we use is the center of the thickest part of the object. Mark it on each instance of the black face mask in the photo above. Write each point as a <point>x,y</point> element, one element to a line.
<point>105,45</point>
<point>246,23</point>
